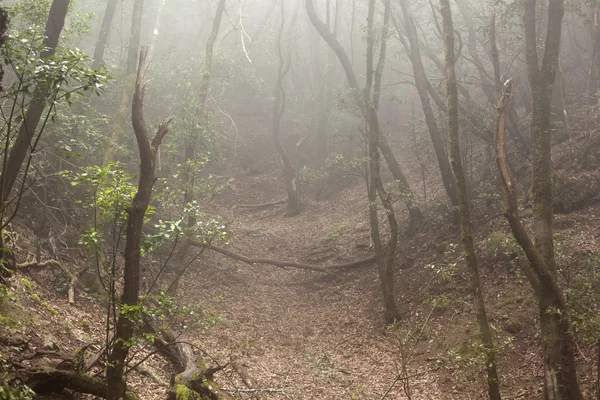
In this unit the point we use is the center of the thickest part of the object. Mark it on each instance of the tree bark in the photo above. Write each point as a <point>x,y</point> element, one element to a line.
<point>289,171</point>
<point>420,82</point>
<point>594,77</point>
<point>135,36</point>
<point>558,346</point>
<point>125,330</point>
<point>559,361</point>
<point>416,217</point>
<point>104,34</point>
<point>375,188</point>
<point>464,211</point>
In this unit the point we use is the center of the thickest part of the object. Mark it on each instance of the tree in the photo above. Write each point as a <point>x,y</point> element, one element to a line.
<point>132,52</point>
<point>289,171</point>
<point>559,362</point>
<point>416,218</point>
<point>420,82</point>
<point>27,132</point>
<point>375,188</point>
<point>115,377</point>
<point>464,211</point>
<point>190,150</point>
<point>104,33</point>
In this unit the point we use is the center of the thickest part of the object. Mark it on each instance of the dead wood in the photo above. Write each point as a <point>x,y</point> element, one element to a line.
<point>193,376</point>
<point>283,264</point>
<point>50,380</point>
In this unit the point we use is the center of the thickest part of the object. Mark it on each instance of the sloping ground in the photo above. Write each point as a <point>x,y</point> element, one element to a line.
<point>303,334</point>
<point>307,335</point>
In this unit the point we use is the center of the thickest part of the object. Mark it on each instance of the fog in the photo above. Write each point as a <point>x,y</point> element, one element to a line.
<point>294,199</point>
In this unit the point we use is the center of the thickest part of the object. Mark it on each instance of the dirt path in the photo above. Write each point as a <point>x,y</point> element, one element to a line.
<point>302,334</point>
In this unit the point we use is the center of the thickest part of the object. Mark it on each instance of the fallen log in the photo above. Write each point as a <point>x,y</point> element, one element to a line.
<point>282,264</point>
<point>50,380</point>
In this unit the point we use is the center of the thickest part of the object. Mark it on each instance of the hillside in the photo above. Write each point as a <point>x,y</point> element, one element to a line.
<point>304,334</point>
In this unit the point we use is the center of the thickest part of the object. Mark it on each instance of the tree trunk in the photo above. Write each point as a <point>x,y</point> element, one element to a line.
<point>375,188</point>
<point>104,34</point>
<point>132,53</point>
<point>26,136</point>
<point>289,171</point>
<point>125,330</point>
<point>135,36</point>
<point>559,362</point>
<point>420,82</point>
<point>464,212</point>
<point>594,78</point>
<point>416,218</point>
<point>560,381</point>
<point>190,142</point>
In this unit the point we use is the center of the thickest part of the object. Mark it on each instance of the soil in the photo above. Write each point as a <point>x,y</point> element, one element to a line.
<point>308,335</point>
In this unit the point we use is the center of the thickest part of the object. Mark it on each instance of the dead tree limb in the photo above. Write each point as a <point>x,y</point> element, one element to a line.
<point>50,380</point>
<point>282,264</point>
<point>194,377</point>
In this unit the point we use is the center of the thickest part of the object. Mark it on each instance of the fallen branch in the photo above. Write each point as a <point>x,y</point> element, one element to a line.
<point>263,205</point>
<point>257,206</point>
<point>282,264</point>
<point>50,380</point>
<point>255,391</point>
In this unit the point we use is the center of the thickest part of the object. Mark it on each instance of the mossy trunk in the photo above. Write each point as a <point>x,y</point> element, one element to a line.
<point>375,188</point>
<point>560,373</point>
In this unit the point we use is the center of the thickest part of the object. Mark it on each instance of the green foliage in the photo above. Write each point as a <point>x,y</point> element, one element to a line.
<point>337,232</point>
<point>584,299</point>
<point>111,187</point>
<point>499,243</point>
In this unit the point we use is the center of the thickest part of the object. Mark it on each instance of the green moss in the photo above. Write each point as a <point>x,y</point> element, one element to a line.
<point>185,393</point>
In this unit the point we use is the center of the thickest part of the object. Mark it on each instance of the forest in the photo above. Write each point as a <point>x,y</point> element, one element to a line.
<point>300,199</point>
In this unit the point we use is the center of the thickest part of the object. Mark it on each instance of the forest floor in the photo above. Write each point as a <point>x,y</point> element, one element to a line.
<point>307,335</point>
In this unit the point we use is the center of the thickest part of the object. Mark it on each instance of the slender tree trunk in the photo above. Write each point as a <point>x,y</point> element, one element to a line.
<point>289,171</point>
<point>125,330</point>
<point>104,34</point>
<point>416,218</point>
<point>118,130</point>
<point>385,263</point>
<point>594,78</point>
<point>420,82</point>
<point>466,230</point>
<point>135,36</point>
<point>190,142</point>
<point>490,85</point>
